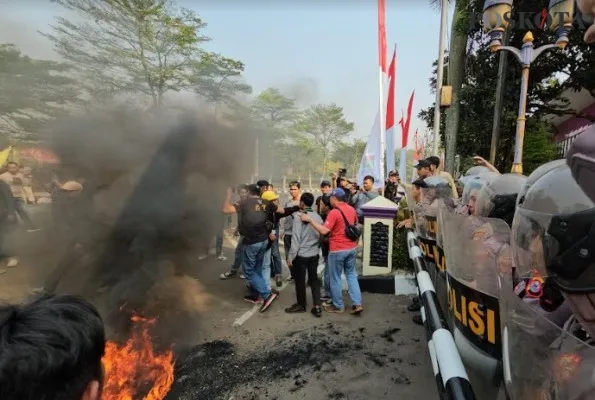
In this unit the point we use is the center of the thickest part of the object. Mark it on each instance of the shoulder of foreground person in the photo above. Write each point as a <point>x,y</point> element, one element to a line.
<point>315,216</point>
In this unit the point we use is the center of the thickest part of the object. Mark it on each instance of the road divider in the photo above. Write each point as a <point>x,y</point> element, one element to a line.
<point>451,378</point>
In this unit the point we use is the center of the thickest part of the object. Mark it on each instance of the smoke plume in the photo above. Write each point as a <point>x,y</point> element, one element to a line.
<point>154,186</point>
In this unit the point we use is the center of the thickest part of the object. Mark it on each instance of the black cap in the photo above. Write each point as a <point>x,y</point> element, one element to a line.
<point>253,189</point>
<point>422,164</point>
<point>262,183</point>
<point>325,184</point>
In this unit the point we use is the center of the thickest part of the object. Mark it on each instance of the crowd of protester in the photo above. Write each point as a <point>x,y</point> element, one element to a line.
<point>311,230</point>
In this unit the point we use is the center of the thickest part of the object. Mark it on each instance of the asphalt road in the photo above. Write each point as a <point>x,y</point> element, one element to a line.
<point>242,354</point>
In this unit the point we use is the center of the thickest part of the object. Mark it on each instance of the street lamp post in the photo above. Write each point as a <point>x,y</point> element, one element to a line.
<point>496,16</point>
<point>526,55</point>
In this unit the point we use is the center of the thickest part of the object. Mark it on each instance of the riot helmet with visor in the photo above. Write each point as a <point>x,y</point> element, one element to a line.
<point>497,199</point>
<point>476,170</point>
<point>554,232</point>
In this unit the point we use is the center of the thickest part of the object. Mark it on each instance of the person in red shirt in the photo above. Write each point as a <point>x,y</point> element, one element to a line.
<point>342,252</point>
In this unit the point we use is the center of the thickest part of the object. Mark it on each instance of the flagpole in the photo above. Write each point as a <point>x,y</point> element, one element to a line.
<point>382,121</point>
<point>381,69</point>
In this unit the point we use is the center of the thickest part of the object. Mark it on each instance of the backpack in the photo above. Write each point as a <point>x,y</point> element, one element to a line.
<point>351,230</point>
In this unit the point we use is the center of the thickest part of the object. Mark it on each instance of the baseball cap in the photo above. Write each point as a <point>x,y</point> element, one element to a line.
<point>422,164</point>
<point>338,192</point>
<point>325,183</point>
<point>269,195</point>
<point>71,186</point>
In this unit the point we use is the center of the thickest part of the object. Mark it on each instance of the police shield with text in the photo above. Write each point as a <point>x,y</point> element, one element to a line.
<point>476,247</point>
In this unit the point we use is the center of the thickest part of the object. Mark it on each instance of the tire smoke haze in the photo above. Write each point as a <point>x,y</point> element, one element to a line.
<point>154,186</point>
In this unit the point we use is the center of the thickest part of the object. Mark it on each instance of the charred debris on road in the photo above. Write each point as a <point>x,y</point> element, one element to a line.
<point>213,370</point>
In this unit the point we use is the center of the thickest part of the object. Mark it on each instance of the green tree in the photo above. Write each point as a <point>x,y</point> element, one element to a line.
<point>349,154</point>
<point>325,125</point>
<point>477,93</point>
<point>276,115</point>
<point>218,80</point>
<point>539,147</point>
<point>141,46</point>
<point>31,93</point>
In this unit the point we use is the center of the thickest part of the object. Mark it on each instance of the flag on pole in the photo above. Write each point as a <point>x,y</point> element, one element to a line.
<point>390,115</point>
<point>370,163</point>
<point>405,138</point>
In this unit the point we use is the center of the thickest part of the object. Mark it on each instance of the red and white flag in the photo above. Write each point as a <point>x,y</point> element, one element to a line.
<point>390,114</point>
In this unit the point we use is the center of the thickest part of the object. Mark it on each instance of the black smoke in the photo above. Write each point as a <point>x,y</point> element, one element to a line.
<point>153,193</point>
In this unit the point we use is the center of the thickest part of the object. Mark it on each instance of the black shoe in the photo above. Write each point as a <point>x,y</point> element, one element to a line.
<point>268,301</point>
<point>275,291</point>
<point>296,308</point>
<point>417,320</point>
<point>279,280</point>
<point>414,307</point>
<point>316,311</point>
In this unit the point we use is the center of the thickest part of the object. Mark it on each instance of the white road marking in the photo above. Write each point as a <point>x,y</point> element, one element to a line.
<point>245,316</point>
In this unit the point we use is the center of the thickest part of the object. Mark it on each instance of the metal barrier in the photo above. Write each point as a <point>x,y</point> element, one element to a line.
<point>450,374</point>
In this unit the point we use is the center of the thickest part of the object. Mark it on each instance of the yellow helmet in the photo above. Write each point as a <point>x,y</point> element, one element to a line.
<point>71,186</point>
<point>269,195</point>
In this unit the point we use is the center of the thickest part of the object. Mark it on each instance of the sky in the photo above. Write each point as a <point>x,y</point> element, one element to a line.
<point>323,51</point>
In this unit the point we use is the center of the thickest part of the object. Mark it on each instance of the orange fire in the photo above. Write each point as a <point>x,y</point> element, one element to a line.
<point>134,371</point>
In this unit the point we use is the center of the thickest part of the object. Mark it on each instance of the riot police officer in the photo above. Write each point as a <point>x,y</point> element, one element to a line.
<point>497,199</point>
<point>472,184</point>
<point>553,237</point>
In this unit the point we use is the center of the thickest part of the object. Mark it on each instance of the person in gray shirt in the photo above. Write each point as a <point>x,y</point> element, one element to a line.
<point>303,258</point>
<point>295,193</point>
<point>364,196</point>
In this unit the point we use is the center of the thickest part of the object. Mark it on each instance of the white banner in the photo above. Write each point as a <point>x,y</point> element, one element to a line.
<point>370,163</point>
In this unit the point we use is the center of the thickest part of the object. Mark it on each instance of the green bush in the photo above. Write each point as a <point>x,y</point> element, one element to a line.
<point>401,260</point>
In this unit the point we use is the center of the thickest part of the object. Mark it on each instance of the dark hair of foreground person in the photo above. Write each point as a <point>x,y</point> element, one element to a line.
<point>51,349</point>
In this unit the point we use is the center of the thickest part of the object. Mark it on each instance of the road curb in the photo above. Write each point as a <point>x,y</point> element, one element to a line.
<point>397,284</point>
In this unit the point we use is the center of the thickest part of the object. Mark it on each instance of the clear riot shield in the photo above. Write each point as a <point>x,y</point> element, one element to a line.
<point>476,249</point>
<point>542,360</point>
<point>428,233</point>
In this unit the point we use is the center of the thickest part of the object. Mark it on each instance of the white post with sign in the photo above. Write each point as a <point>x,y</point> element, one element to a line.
<point>379,215</point>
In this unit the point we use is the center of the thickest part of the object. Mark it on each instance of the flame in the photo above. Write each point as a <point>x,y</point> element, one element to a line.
<point>134,369</point>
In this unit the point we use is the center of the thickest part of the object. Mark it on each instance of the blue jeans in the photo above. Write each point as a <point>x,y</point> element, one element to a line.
<point>276,258</point>
<point>266,267</point>
<point>253,262</point>
<point>339,262</point>
<point>237,259</point>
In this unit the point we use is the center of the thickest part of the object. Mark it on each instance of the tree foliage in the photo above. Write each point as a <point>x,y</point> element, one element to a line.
<point>325,124</point>
<point>551,74</point>
<point>143,46</point>
<point>31,92</point>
